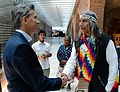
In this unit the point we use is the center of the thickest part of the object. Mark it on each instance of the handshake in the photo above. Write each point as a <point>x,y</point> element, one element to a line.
<point>64,79</point>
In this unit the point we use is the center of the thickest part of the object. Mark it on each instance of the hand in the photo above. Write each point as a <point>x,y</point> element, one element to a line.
<point>64,75</point>
<point>63,62</point>
<point>44,56</point>
<point>48,54</point>
<point>41,57</point>
<point>64,79</point>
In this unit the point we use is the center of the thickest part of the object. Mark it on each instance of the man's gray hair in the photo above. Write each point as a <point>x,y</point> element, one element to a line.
<point>18,12</point>
<point>89,15</point>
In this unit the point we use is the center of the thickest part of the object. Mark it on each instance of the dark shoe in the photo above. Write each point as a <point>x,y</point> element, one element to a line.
<point>68,87</point>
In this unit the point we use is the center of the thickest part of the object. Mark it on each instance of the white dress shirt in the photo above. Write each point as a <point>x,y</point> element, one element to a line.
<point>42,48</point>
<point>25,35</point>
<point>111,57</point>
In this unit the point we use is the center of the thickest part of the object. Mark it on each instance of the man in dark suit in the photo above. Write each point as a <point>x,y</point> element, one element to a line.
<point>22,69</point>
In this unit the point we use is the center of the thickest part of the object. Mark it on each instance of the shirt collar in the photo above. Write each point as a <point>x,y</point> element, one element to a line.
<point>40,42</point>
<point>25,35</point>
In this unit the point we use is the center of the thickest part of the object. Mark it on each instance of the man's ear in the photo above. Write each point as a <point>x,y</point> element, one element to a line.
<point>24,20</point>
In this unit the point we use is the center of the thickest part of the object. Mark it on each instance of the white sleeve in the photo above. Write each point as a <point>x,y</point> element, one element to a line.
<point>70,65</point>
<point>33,47</point>
<point>112,59</point>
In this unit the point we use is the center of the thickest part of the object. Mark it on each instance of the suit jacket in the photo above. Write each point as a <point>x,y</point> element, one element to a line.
<point>22,68</point>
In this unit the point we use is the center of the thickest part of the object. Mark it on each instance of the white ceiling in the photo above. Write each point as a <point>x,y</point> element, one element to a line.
<point>56,13</point>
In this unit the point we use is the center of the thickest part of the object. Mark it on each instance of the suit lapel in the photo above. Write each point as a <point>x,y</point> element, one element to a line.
<point>20,35</point>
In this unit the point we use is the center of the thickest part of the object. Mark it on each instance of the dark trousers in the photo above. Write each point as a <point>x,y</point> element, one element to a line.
<point>96,88</point>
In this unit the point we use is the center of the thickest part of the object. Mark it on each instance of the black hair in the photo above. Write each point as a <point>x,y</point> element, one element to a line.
<point>41,31</point>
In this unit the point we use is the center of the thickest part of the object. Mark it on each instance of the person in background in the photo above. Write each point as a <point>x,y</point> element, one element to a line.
<point>63,55</point>
<point>42,50</point>
<point>21,65</point>
<point>96,53</point>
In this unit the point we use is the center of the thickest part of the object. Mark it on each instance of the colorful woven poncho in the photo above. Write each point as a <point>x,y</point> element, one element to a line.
<point>86,59</point>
